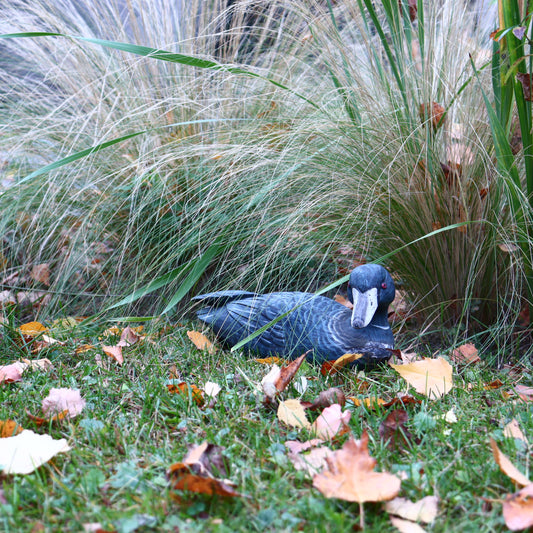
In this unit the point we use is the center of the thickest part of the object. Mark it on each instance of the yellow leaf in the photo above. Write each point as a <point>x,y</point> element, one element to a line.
<point>9,428</point>
<point>270,361</point>
<point>431,377</point>
<point>292,413</point>
<point>371,402</point>
<point>32,329</point>
<point>201,341</point>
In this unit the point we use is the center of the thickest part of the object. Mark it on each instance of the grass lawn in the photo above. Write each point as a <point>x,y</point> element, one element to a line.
<point>133,429</point>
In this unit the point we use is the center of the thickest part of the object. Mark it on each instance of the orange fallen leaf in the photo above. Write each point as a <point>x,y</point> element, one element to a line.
<point>115,352</point>
<point>434,113</point>
<point>270,360</point>
<point>350,475</point>
<point>288,372</point>
<point>404,399</point>
<point>465,354</point>
<point>371,402</point>
<point>58,417</point>
<point>201,341</point>
<point>506,466</point>
<point>431,377</point>
<point>83,348</point>
<point>343,301</point>
<point>332,367</point>
<point>32,329</point>
<point>9,428</point>
<point>518,509</point>
<point>184,388</point>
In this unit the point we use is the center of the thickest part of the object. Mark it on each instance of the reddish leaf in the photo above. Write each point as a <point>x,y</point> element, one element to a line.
<point>434,113</point>
<point>184,388</point>
<point>465,354</point>
<point>525,80</point>
<point>328,397</point>
<point>392,429</point>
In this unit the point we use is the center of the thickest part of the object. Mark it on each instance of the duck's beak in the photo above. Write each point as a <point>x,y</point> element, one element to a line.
<point>364,307</point>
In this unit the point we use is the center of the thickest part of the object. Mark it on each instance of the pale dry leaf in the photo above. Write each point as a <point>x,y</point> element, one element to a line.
<point>431,377</point>
<point>513,431</point>
<point>27,451</point>
<point>38,364</point>
<point>268,383</point>
<point>295,446</point>
<point>115,352</point>
<point>13,372</point>
<point>518,509</point>
<point>201,341</point>
<point>211,389</point>
<point>128,337</point>
<point>343,301</point>
<point>424,510</point>
<point>331,422</point>
<point>41,273</point>
<point>506,466</point>
<point>49,340</point>
<point>7,298</point>
<point>292,413</point>
<point>311,462</point>
<point>350,475</point>
<point>450,416</point>
<point>405,526</point>
<point>63,399</point>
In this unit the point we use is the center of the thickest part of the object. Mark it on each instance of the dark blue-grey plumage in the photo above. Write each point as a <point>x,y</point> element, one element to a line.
<point>318,325</point>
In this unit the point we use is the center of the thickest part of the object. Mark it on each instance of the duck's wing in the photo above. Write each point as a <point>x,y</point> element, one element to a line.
<point>246,316</point>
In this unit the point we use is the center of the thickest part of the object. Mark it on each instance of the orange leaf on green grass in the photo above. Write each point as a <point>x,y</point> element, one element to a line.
<point>518,509</point>
<point>201,341</point>
<point>32,329</point>
<point>332,367</point>
<point>506,466</point>
<point>115,352</point>
<point>185,388</point>
<point>9,428</point>
<point>431,377</point>
<point>350,475</point>
<point>465,354</point>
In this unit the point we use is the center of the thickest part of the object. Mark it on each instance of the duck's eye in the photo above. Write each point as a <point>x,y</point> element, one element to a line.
<point>383,285</point>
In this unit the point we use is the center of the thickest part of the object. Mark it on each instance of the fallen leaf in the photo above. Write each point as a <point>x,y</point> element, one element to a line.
<point>343,301</point>
<point>184,389</point>
<point>269,361</point>
<point>495,384</point>
<point>403,399</point>
<point>201,341</point>
<point>328,397</point>
<point>506,466</point>
<point>434,113</point>
<point>525,80</point>
<point>38,364</point>
<point>32,329</point>
<point>295,446</point>
<point>115,352</point>
<point>331,423</point>
<point>513,431</point>
<point>431,377</point>
<point>371,402</point>
<point>211,389</point>
<point>292,413</point>
<point>27,451</point>
<point>392,429</point>
<point>350,475</point>
<point>83,348</point>
<point>524,392</point>
<point>405,526</point>
<point>39,420</point>
<point>196,472</point>
<point>465,354</point>
<point>128,337</point>
<point>268,383</point>
<point>311,462</point>
<point>9,428</point>
<point>332,367</point>
<point>424,510</point>
<point>288,372</point>
<point>518,509</point>
<point>12,373</point>
<point>41,273</point>
<point>62,399</point>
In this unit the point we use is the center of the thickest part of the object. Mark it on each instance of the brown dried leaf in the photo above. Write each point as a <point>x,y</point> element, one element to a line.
<point>9,428</point>
<point>431,377</point>
<point>201,341</point>
<point>128,337</point>
<point>115,352</point>
<point>350,475</point>
<point>404,399</point>
<point>465,354</point>
<point>292,413</point>
<point>506,466</point>
<point>332,367</point>
<point>41,273</point>
<point>392,429</point>
<point>288,372</point>
<point>328,397</point>
<point>518,509</point>
<point>343,301</point>
<point>39,420</point>
<point>433,112</point>
<point>525,80</point>
<point>525,393</point>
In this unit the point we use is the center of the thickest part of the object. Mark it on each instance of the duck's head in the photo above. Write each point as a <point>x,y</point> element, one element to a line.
<point>370,288</point>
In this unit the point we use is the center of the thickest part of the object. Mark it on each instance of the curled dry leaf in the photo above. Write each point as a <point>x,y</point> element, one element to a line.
<point>350,475</point>
<point>465,354</point>
<point>27,451</point>
<point>518,509</point>
<point>9,428</point>
<point>431,377</point>
<point>288,372</point>
<point>525,80</point>
<point>196,473</point>
<point>63,399</point>
<point>424,510</point>
<point>331,423</point>
<point>128,337</point>
<point>434,113</point>
<point>329,397</point>
<point>39,420</point>
<point>38,364</point>
<point>115,352</point>
<point>201,341</point>
<point>311,462</point>
<point>270,361</point>
<point>292,413</point>
<point>12,373</point>
<point>332,367</point>
<point>506,466</point>
<point>268,383</point>
<point>392,429</point>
